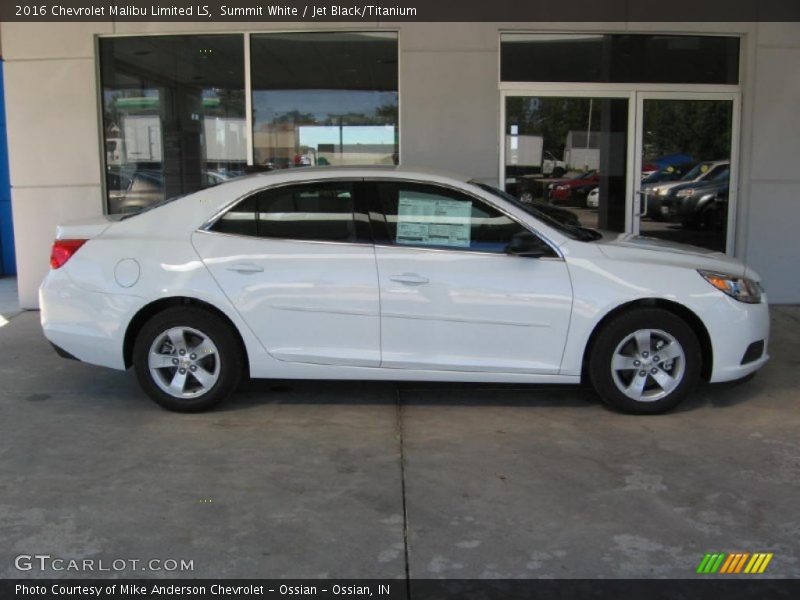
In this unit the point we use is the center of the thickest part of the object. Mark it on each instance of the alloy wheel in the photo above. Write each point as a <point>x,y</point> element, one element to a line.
<point>184,362</point>
<point>648,365</point>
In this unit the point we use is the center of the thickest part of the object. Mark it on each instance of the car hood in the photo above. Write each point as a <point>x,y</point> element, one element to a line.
<point>651,250</point>
<point>664,185</point>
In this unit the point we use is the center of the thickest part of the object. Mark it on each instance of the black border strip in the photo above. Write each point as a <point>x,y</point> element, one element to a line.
<point>711,588</point>
<point>375,11</point>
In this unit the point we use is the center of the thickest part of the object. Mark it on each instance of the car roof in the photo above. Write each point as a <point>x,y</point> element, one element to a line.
<point>393,171</point>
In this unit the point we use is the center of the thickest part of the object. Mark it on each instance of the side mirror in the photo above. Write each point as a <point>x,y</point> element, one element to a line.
<point>527,245</point>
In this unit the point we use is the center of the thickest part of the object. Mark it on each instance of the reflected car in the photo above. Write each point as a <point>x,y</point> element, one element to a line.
<point>393,274</point>
<point>145,187</point>
<point>132,192</point>
<point>574,189</point>
<point>671,173</point>
<point>654,195</point>
<point>701,205</point>
<point>558,213</point>
<point>593,198</point>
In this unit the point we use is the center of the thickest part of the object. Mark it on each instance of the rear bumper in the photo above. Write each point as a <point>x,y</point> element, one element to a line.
<point>85,325</point>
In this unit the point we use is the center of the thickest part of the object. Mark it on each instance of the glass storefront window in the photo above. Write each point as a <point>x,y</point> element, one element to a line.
<point>567,157</point>
<point>324,99</point>
<point>173,115</point>
<point>620,58</point>
<point>686,163</point>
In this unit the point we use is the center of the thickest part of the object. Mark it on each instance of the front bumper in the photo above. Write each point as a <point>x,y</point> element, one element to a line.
<point>736,329</point>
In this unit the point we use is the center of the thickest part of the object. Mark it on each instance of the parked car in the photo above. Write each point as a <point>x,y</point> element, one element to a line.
<point>574,189</point>
<point>135,191</point>
<point>671,173</point>
<point>654,195</point>
<point>663,163</point>
<point>593,198</point>
<point>392,274</point>
<point>144,187</point>
<point>701,205</point>
<point>555,212</point>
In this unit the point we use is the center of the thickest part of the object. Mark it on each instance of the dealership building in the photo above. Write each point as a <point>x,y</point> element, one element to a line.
<point>688,132</point>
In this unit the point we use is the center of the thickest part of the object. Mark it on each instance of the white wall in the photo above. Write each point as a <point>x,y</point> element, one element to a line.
<point>449,119</point>
<point>771,216</point>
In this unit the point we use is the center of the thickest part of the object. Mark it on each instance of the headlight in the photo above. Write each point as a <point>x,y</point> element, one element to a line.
<point>684,193</point>
<point>563,187</point>
<point>662,192</point>
<point>739,288</point>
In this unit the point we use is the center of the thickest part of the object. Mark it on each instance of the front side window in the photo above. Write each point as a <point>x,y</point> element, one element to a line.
<point>313,212</point>
<point>430,216</point>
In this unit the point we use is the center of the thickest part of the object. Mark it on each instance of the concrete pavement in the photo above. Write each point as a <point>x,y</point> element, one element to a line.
<point>337,479</point>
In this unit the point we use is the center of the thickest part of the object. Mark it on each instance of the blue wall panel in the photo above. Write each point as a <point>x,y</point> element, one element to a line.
<point>7,261</point>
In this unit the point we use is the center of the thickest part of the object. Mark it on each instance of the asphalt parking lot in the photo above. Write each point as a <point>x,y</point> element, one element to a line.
<point>338,479</point>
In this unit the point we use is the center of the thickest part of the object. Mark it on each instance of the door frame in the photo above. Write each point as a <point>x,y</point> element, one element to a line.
<point>636,94</point>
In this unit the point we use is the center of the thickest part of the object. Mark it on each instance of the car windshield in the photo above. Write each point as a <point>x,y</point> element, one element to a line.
<point>574,232</point>
<point>722,176</point>
<point>660,176</point>
<point>702,171</point>
<point>692,174</point>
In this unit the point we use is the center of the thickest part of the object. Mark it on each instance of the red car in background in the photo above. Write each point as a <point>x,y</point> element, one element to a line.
<point>574,189</point>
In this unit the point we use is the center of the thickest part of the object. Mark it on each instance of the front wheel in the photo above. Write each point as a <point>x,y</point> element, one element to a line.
<point>645,361</point>
<point>187,359</point>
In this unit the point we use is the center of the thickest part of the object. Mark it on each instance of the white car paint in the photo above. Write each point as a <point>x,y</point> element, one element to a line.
<point>593,198</point>
<point>322,310</point>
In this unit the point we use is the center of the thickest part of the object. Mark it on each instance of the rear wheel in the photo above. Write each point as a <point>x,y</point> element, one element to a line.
<point>187,359</point>
<point>645,361</point>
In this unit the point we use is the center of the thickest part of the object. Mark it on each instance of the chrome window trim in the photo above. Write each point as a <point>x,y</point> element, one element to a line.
<point>206,227</point>
<point>239,236</point>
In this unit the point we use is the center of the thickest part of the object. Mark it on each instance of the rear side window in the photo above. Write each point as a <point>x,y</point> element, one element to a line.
<point>315,212</point>
<point>431,216</point>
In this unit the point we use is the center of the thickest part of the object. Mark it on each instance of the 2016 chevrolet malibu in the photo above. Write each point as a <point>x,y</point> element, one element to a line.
<point>391,274</point>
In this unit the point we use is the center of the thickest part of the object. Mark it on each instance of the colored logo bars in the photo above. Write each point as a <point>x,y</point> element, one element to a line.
<point>738,562</point>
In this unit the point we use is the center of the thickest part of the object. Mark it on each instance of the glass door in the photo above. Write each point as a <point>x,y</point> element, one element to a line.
<point>685,168</point>
<point>567,154</point>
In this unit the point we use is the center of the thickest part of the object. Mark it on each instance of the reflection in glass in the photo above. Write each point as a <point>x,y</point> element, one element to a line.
<point>324,99</point>
<point>567,157</point>
<point>619,58</point>
<point>686,153</point>
<point>173,115</point>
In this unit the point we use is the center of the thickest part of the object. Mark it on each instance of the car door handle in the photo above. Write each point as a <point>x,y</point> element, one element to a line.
<point>410,279</point>
<point>245,268</point>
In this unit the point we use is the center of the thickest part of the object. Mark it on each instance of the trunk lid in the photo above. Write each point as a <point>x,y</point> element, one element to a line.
<point>84,229</point>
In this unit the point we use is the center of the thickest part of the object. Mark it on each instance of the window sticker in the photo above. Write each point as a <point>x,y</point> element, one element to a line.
<point>430,220</point>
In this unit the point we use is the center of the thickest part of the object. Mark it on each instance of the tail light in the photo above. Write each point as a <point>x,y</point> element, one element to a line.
<point>62,251</point>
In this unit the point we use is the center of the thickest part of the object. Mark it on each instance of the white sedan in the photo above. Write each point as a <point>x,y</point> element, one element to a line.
<point>391,274</point>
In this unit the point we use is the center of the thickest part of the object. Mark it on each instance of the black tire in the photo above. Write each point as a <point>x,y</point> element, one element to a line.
<point>228,370</point>
<point>616,332</point>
